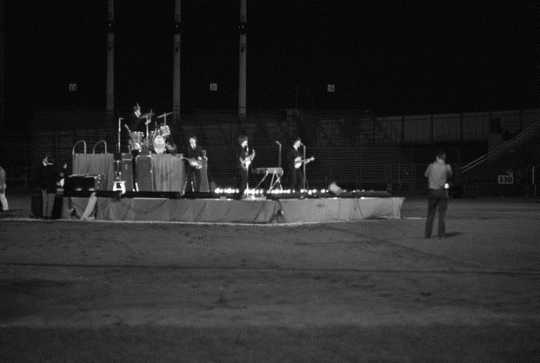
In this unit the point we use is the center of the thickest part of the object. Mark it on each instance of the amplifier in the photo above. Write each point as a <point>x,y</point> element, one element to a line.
<point>82,183</point>
<point>143,172</point>
<point>126,170</point>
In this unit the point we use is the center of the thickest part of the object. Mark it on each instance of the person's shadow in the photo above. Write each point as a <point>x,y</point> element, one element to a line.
<point>452,234</point>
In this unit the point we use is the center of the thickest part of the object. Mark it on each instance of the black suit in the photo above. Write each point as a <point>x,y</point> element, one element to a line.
<point>296,176</point>
<point>193,174</point>
<point>48,175</point>
<point>243,173</point>
<point>136,123</point>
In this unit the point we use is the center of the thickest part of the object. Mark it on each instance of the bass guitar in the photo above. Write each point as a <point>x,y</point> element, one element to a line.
<point>195,163</point>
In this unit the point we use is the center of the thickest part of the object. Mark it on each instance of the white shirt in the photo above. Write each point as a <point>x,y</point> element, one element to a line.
<point>437,173</point>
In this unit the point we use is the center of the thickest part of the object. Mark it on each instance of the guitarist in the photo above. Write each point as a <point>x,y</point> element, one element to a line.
<point>137,122</point>
<point>294,157</point>
<point>244,158</point>
<point>194,156</point>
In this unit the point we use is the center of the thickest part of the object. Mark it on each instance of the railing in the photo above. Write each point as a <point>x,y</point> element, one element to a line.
<point>76,144</point>
<point>104,142</point>
<point>520,138</point>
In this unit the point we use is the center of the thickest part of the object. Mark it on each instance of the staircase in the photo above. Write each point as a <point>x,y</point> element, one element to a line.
<point>525,136</point>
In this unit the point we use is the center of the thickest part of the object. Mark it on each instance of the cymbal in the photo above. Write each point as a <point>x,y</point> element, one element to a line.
<point>164,114</point>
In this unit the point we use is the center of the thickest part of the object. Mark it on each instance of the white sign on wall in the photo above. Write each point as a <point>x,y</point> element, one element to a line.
<point>73,87</point>
<point>505,179</point>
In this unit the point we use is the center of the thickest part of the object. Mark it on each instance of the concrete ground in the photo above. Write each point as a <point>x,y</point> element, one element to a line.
<point>374,290</point>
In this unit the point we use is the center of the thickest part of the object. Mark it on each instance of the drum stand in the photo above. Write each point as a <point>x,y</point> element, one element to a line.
<point>164,116</point>
<point>304,179</point>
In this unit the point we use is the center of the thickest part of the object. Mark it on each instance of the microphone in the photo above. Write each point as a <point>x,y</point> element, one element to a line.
<point>277,142</point>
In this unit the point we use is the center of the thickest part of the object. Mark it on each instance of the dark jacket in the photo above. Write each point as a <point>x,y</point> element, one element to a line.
<point>242,153</point>
<point>291,155</point>
<point>136,123</point>
<point>48,177</point>
<point>194,153</point>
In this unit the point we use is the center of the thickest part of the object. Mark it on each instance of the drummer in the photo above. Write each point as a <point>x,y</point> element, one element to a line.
<point>136,122</point>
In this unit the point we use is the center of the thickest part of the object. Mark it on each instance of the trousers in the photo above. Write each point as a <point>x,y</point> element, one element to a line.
<point>47,203</point>
<point>437,200</point>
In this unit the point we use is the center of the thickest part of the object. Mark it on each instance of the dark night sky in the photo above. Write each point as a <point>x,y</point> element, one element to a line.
<point>389,56</point>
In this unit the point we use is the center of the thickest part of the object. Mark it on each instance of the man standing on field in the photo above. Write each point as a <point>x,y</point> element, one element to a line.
<point>437,173</point>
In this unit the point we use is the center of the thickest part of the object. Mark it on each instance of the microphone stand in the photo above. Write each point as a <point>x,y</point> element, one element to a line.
<point>304,166</point>
<point>147,141</point>
<point>117,162</point>
<point>119,132</point>
<point>279,153</point>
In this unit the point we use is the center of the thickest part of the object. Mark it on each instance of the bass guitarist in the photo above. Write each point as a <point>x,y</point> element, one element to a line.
<point>194,158</point>
<point>244,159</point>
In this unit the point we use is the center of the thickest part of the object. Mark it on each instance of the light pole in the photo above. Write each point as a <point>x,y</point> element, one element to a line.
<point>177,49</point>
<point>2,62</point>
<point>109,106</point>
<point>242,64</point>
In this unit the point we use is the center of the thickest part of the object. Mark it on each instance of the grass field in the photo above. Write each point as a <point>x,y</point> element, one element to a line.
<point>367,291</point>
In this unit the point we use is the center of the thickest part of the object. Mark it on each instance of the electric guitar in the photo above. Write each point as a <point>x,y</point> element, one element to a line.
<point>246,162</point>
<point>135,139</point>
<point>298,161</point>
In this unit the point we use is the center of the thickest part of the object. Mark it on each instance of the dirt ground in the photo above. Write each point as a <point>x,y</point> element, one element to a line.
<point>374,290</point>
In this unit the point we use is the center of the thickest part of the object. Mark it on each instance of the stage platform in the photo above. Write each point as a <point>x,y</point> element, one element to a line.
<point>222,210</point>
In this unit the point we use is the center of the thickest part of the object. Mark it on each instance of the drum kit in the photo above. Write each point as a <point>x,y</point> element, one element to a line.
<point>158,137</point>
<point>152,140</point>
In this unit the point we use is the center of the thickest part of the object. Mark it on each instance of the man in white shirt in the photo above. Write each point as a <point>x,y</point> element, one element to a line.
<point>437,173</point>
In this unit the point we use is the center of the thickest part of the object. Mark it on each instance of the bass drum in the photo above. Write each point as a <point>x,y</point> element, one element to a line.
<point>159,144</point>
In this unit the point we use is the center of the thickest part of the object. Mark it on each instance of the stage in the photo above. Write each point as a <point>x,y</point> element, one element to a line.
<point>224,210</point>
